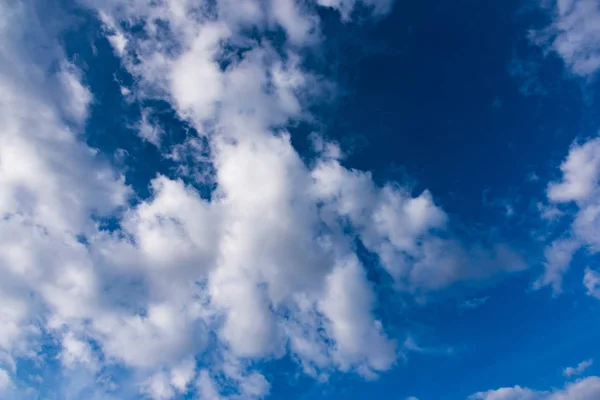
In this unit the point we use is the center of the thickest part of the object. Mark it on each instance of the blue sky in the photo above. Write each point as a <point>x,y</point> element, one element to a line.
<point>281,199</point>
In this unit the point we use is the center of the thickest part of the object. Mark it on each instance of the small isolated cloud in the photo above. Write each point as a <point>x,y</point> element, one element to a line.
<point>580,174</point>
<point>148,130</point>
<point>557,260</point>
<point>473,303</point>
<point>532,177</point>
<point>579,369</point>
<point>346,7</point>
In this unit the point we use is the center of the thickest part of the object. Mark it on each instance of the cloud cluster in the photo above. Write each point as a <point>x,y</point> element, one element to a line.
<point>191,292</point>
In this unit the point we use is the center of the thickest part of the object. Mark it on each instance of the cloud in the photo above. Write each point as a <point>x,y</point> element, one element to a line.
<point>148,130</point>
<point>573,35</point>
<point>76,353</point>
<point>557,259</point>
<point>346,7</point>
<point>580,174</point>
<point>5,381</point>
<point>406,232</point>
<point>359,338</point>
<point>584,389</point>
<point>52,185</point>
<point>579,186</point>
<point>591,281</point>
<point>579,369</point>
<point>473,303</point>
<point>514,393</point>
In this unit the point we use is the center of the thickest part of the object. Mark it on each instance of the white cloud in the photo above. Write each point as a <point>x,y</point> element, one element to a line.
<point>514,393</point>
<point>557,259</point>
<point>579,184</point>
<point>77,96</point>
<point>358,336</point>
<point>183,374</point>
<point>158,387</point>
<point>580,174</point>
<point>51,184</point>
<point>150,131</point>
<point>164,384</point>
<point>574,35</point>
<point>5,381</point>
<point>345,7</point>
<point>289,15</point>
<point>115,36</point>
<point>76,352</point>
<point>584,389</point>
<point>591,281</point>
<point>402,231</point>
<point>579,369</point>
<point>207,387</point>
<point>473,303</point>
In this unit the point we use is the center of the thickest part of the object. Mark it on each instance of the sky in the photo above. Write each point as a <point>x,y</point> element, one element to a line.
<point>299,199</point>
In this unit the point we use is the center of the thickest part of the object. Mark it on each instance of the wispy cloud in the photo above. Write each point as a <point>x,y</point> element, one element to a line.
<point>579,369</point>
<point>473,303</point>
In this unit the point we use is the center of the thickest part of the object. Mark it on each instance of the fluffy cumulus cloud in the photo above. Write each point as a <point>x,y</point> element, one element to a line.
<point>579,187</point>
<point>584,389</point>
<point>188,292</point>
<point>573,35</point>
